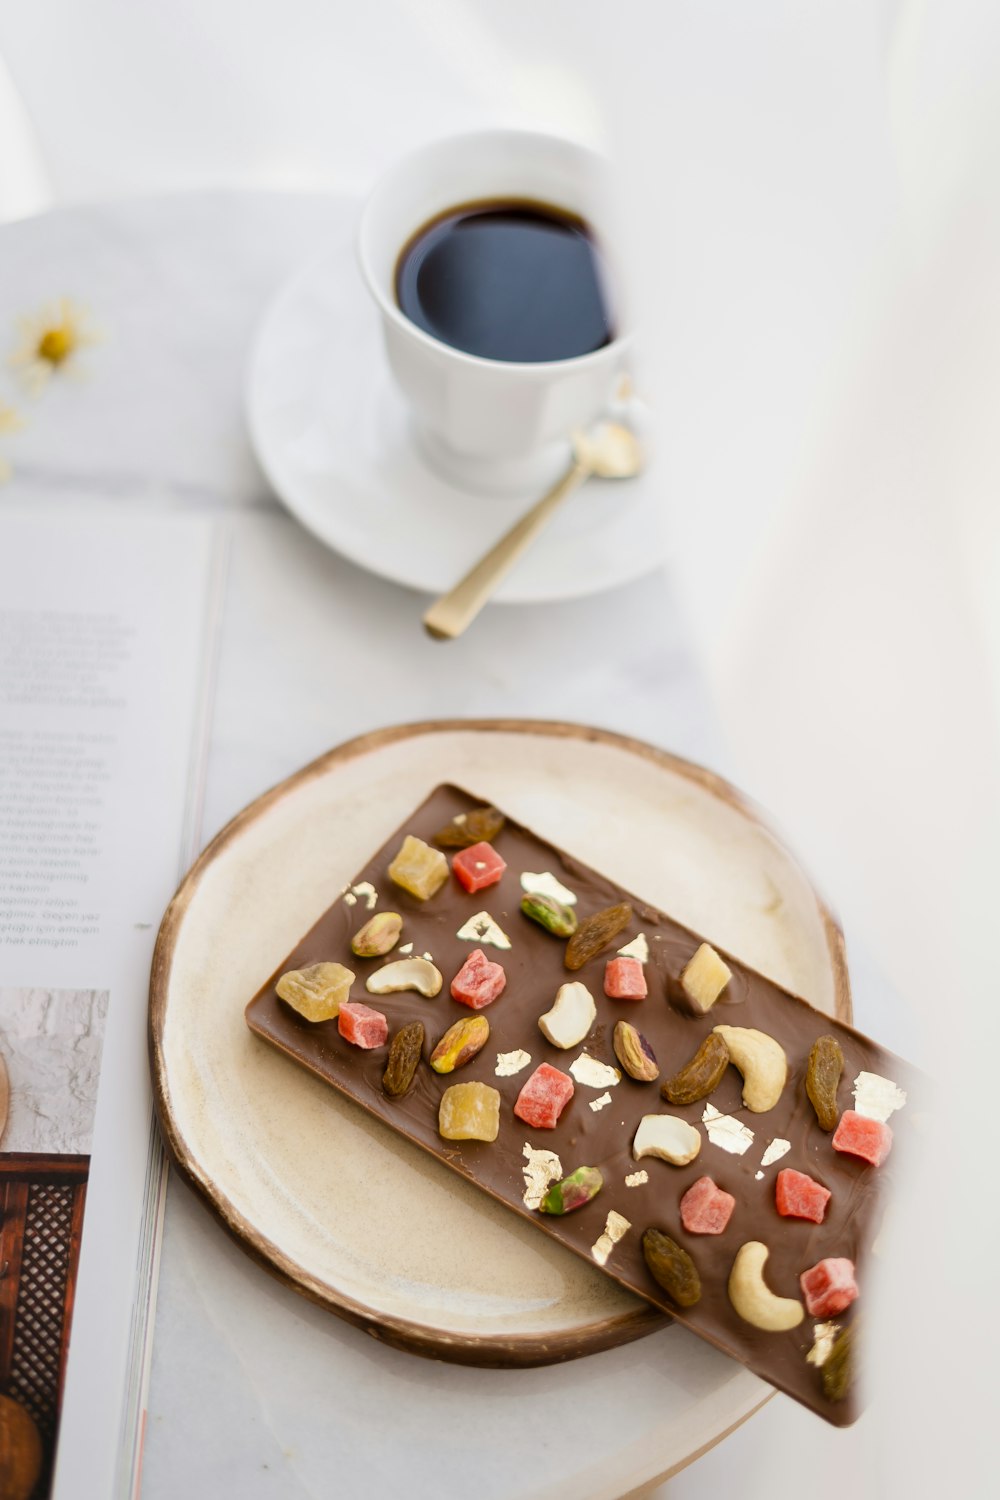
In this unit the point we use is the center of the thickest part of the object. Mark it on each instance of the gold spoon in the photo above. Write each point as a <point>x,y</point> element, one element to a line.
<point>609,450</point>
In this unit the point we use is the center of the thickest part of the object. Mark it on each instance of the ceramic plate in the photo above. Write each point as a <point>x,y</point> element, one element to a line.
<point>331,432</point>
<point>317,1190</point>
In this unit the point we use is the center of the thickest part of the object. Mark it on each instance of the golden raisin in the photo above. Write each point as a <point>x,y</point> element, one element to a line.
<point>596,932</point>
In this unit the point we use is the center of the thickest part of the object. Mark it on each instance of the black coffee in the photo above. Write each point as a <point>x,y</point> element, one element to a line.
<point>509,280</point>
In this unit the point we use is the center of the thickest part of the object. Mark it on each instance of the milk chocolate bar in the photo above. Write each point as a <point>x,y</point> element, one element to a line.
<point>767,1193</point>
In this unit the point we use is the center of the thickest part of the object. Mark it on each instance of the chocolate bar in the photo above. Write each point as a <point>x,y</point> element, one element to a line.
<point>822,1216</point>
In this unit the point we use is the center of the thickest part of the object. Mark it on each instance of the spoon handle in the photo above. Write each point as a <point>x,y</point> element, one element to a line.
<point>455,611</point>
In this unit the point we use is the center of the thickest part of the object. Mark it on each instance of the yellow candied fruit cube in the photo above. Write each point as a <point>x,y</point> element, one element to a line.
<point>418,868</point>
<point>469,1112</point>
<point>705,977</point>
<point>317,992</point>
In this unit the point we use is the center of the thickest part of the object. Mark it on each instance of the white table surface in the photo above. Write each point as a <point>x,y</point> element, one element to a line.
<point>246,1375</point>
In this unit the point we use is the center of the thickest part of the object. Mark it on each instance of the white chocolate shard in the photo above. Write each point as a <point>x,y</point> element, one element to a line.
<point>366,892</point>
<point>540,1169</point>
<point>601,1102</point>
<point>668,1137</point>
<point>593,1074</point>
<point>726,1132</point>
<point>637,948</point>
<point>775,1151</point>
<point>637,1179</point>
<point>876,1097</point>
<point>546,884</point>
<point>616,1227</point>
<point>509,1063</point>
<point>482,929</point>
<point>704,978</point>
<point>571,1017</point>
<point>823,1337</point>
<point>405,948</point>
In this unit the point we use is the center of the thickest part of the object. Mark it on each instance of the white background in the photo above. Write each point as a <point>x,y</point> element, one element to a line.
<point>815,223</point>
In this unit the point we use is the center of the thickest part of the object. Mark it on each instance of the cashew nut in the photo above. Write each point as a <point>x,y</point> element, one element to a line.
<point>571,1017</point>
<point>668,1137</point>
<point>753,1298</point>
<point>761,1061</point>
<point>406,974</point>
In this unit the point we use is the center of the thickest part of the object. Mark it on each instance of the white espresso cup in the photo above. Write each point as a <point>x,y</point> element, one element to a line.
<point>490,425</point>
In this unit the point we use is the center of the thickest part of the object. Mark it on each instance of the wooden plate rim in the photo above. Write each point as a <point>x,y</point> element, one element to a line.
<point>488,1351</point>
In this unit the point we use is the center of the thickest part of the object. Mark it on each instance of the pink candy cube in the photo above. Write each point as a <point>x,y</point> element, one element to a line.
<point>797,1196</point>
<point>479,981</point>
<point>856,1135</point>
<point>829,1287</point>
<point>544,1097</point>
<point>705,1208</point>
<point>624,979</point>
<point>478,867</point>
<point>362,1026</point>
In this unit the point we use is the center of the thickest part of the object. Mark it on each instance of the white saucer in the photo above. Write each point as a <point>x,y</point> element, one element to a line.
<point>332,433</point>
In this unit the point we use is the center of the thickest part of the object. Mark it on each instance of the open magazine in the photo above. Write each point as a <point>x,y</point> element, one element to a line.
<point>107,625</point>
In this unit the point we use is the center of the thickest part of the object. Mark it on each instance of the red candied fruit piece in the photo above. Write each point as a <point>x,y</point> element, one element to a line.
<point>706,1208</point>
<point>479,981</point>
<point>361,1025</point>
<point>797,1196</point>
<point>856,1135</point>
<point>478,866</point>
<point>829,1287</point>
<point>544,1097</point>
<point>624,979</point>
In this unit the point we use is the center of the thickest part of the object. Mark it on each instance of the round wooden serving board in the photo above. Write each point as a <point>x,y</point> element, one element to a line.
<point>329,1199</point>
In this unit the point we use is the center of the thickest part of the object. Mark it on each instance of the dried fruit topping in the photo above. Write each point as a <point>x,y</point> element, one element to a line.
<point>797,1196</point>
<point>406,974</point>
<point>624,979</point>
<point>544,1097</point>
<point>634,1053</point>
<point>418,868</point>
<point>826,1063</point>
<point>753,1298</point>
<point>701,1075</point>
<point>668,1137</point>
<point>706,1208</point>
<point>761,1061</point>
<point>856,1135</point>
<point>549,913</point>
<point>460,1044</point>
<point>573,1192</point>
<point>378,936</point>
<point>362,1026</point>
<point>596,932</point>
<point>404,1055</point>
<point>571,1017</point>
<point>829,1286</point>
<point>838,1368</point>
<point>478,866</point>
<point>480,826</point>
<point>671,1267</point>
<point>318,992</point>
<point>469,1112</point>
<point>704,979</point>
<point>479,981</point>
